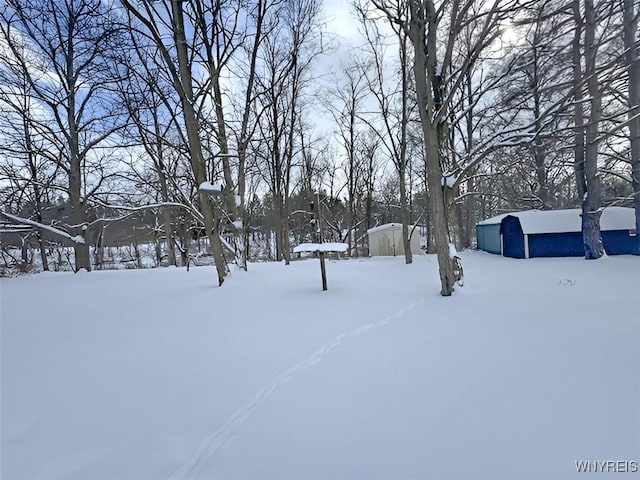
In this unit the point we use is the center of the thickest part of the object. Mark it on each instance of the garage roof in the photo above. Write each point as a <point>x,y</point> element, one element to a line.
<point>564,221</point>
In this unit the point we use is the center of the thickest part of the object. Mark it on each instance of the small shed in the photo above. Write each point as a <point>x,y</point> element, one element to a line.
<point>386,240</point>
<point>555,233</point>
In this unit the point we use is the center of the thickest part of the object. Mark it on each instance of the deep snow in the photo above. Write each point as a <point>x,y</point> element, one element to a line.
<point>156,374</point>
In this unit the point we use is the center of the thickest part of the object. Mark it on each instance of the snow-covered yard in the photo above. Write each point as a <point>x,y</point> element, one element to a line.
<point>156,374</point>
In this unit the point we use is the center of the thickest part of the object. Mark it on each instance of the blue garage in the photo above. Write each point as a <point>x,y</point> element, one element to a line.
<point>488,236</point>
<point>555,233</point>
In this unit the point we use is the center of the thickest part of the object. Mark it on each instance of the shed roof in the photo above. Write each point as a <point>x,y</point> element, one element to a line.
<point>564,221</point>
<point>386,226</point>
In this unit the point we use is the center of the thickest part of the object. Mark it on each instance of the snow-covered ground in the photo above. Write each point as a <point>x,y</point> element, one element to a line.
<point>159,374</point>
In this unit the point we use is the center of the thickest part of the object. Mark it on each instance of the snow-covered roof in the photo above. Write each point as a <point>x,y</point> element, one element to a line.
<point>321,247</point>
<point>495,220</point>
<point>564,221</point>
<point>386,226</point>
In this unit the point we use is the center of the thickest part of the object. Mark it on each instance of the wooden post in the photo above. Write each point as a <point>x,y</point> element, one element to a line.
<point>321,252</point>
<point>323,270</point>
<point>319,239</point>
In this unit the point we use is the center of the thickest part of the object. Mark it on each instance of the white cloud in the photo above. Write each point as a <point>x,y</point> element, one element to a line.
<point>341,20</point>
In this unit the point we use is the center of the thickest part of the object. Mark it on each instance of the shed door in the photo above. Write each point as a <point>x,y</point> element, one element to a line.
<point>513,238</point>
<point>384,244</point>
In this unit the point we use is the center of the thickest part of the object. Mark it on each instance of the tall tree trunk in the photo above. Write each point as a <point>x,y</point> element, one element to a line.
<point>539,153</point>
<point>592,201</point>
<point>585,140</point>
<point>351,174</point>
<point>277,223</point>
<point>164,193</point>
<point>369,206</point>
<point>43,250</point>
<point>470,198</point>
<point>633,68</point>
<point>470,202</point>
<point>459,216</point>
<point>424,72</point>
<point>195,146</point>
<point>38,200</point>
<point>99,253</point>
<point>37,193</point>
<point>24,255</point>
<point>136,252</point>
<point>578,106</point>
<point>404,217</point>
<point>81,249</point>
<point>169,236</point>
<point>78,214</point>
<point>158,242</point>
<point>402,160</point>
<point>184,239</point>
<point>286,242</point>
<point>243,141</point>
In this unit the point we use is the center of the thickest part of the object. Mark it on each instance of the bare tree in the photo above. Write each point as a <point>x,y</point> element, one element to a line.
<point>224,32</point>
<point>149,101</point>
<point>393,105</point>
<point>631,15</point>
<point>215,41</point>
<point>439,74</point>
<point>370,167</point>
<point>179,62</point>
<point>286,57</point>
<point>27,165</point>
<point>586,137</point>
<point>345,103</point>
<point>70,69</point>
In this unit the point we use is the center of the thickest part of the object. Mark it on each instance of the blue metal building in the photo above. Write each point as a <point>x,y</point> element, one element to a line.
<point>555,233</point>
<point>488,235</point>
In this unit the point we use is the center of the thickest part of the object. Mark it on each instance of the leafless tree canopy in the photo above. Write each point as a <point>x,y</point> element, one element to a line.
<point>216,131</point>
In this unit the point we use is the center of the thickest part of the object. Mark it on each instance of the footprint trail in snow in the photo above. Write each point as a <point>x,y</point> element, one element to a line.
<point>213,443</point>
